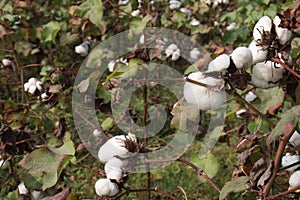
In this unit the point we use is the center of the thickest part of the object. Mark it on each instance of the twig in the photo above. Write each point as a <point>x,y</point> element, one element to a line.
<point>84,118</point>
<point>134,190</point>
<point>287,68</point>
<point>283,193</point>
<point>277,162</point>
<point>90,169</point>
<point>33,65</point>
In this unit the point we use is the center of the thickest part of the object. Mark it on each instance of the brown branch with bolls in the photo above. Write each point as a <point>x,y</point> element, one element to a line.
<point>286,67</point>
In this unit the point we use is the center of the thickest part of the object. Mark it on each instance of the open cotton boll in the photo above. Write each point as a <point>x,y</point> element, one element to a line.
<point>250,96</point>
<point>174,4</point>
<point>295,139</point>
<point>97,132</point>
<point>220,63</point>
<point>288,160</point>
<point>22,188</point>
<point>82,49</point>
<point>105,187</point>
<point>195,53</point>
<point>294,180</point>
<point>6,62</point>
<point>115,146</point>
<point>258,54</point>
<point>242,57</point>
<point>114,168</point>
<point>283,34</point>
<point>265,75</point>
<point>263,24</point>
<point>202,97</point>
<point>35,194</point>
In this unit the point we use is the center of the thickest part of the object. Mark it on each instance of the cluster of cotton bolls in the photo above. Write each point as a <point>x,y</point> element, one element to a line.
<point>32,86</point>
<point>176,5</point>
<point>293,160</point>
<point>115,154</point>
<point>268,36</point>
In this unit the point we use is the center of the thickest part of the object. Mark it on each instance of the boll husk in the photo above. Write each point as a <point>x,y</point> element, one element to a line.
<point>242,57</point>
<point>294,180</point>
<point>283,34</point>
<point>258,54</point>
<point>288,160</point>
<point>264,24</point>
<point>220,63</point>
<point>105,187</point>
<point>265,75</point>
<point>203,97</point>
<point>115,146</point>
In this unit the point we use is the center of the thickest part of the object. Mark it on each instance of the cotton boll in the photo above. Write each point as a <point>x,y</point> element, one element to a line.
<point>3,164</point>
<point>242,57</point>
<point>38,85</point>
<point>175,55</point>
<point>173,51</point>
<point>283,34</point>
<point>36,194</point>
<point>288,160</point>
<point>97,132</point>
<point>195,53</point>
<point>239,114</point>
<point>294,180</point>
<point>6,62</point>
<point>115,146</point>
<point>111,66</point>
<point>32,81</point>
<point>114,168</point>
<point>220,63</point>
<point>265,75</point>
<point>135,13</point>
<point>82,49</point>
<point>186,11</point>
<point>32,89</point>
<point>258,54</point>
<point>202,97</point>
<point>195,22</point>
<point>264,24</point>
<point>250,96</point>
<point>295,139</point>
<point>22,188</point>
<point>105,187</point>
<point>174,4</point>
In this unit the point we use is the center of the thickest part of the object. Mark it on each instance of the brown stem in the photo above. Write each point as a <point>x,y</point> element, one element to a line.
<point>287,68</point>
<point>90,169</point>
<point>277,162</point>
<point>84,118</point>
<point>283,193</point>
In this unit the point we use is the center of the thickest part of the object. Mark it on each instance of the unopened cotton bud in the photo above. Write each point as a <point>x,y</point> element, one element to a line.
<point>264,24</point>
<point>220,63</point>
<point>203,97</point>
<point>295,139</point>
<point>22,188</point>
<point>105,187</point>
<point>242,57</point>
<point>294,180</point>
<point>6,62</point>
<point>288,160</point>
<point>283,34</point>
<point>259,55</point>
<point>115,146</point>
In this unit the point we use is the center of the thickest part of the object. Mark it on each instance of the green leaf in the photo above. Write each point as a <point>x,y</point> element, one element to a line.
<point>107,123</point>
<point>93,10</point>
<point>287,123</point>
<point>208,163</point>
<point>50,32</point>
<point>239,184</point>
<point>48,162</point>
<point>137,25</point>
<point>268,99</point>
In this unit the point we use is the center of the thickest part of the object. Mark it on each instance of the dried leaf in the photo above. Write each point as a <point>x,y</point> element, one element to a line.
<point>60,196</point>
<point>261,172</point>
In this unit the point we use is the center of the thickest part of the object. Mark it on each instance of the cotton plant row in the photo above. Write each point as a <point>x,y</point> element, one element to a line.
<point>115,154</point>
